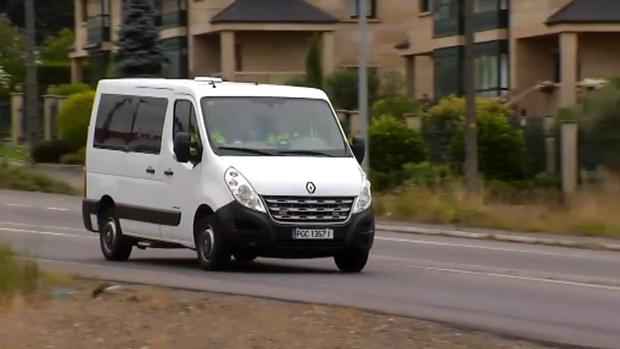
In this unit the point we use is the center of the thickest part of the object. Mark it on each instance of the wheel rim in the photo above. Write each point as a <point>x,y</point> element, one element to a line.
<point>108,234</point>
<point>206,246</point>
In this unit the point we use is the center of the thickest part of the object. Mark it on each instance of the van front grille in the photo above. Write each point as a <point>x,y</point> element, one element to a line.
<point>305,209</point>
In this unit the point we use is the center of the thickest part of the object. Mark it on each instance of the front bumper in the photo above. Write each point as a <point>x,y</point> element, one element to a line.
<point>250,230</point>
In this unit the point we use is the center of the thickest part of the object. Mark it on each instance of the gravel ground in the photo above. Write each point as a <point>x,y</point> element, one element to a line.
<point>140,317</point>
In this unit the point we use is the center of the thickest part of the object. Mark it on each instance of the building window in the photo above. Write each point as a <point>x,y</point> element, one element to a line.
<point>98,21</point>
<point>175,51</point>
<point>492,69</point>
<point>172,13</point>
<point>425,6</point>
<point>447,18</point>
<point>354,8</point>
<point>490,14</point>
<point>448,71</point>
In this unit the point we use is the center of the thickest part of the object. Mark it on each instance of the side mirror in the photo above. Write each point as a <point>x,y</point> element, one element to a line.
<point>181,146</point>
<point>359,148</point>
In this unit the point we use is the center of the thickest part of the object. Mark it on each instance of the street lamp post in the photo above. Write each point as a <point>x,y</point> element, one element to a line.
<point>32,105</point>
<point>471,129</point>
<point>363,76</point>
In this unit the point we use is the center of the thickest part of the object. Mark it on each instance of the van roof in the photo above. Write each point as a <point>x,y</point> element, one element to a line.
<point>204,87</point>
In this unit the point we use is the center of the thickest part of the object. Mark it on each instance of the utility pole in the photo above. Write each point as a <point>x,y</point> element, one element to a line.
<point>471,128</point>
<point>362,16</point>
<point>32,102</point>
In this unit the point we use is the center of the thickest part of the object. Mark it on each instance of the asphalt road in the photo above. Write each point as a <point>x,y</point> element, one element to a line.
<point>562,295</point>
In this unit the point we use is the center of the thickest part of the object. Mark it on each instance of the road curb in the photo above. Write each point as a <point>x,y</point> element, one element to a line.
<point>590,245</point>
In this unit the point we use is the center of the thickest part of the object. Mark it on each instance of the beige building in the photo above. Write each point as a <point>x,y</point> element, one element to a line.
<point>247,40</point>
<point>539,54</point>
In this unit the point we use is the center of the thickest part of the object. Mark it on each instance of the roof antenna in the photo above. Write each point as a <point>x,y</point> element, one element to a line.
<point>213,84</point>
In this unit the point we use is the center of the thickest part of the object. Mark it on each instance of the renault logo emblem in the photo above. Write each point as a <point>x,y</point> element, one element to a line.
<point>310,187</point>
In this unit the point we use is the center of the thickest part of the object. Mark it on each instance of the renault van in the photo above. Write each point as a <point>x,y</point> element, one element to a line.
<point>228,169</point>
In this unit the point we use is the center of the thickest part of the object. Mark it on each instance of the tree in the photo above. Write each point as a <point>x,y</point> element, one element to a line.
<point>314,68</point>
<point>12,62</point>
<point>51,16</point>
<point>56,48</point>
<point>140,53</point>
<point>342,88</point>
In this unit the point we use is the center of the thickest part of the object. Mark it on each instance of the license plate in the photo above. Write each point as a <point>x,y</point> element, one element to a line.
<point>313,234</point>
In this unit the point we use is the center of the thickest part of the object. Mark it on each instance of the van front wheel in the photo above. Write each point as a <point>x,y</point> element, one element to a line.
<point>351,260</point>
<point>210,246</point>
<point>114,245</point>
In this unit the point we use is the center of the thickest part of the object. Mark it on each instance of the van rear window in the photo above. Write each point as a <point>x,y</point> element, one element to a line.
<point>130,123</point>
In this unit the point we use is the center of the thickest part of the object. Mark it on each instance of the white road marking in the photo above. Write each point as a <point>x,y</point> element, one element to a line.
<point>15,205</point>
<point>57,209</point>
<point>48,208</point>
<point>49,227</point>
<point>480,247</point>
<point>517,277</point>
<point>49,233</point>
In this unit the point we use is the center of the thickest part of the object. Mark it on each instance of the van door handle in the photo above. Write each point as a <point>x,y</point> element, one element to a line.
<point>169,172</point>
<point>150,170</point>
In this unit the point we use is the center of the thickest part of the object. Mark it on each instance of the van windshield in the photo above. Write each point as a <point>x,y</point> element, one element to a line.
<point>272,126</point>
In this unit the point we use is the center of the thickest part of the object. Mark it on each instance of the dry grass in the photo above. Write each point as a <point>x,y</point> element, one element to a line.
<point>21,278</point>
<point>593,211</point>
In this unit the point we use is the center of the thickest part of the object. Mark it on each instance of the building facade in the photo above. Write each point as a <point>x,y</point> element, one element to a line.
<point>538,54</point>
<point>246,40</point>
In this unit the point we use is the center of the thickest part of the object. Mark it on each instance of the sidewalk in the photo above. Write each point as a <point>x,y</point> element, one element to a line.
<point>564,240</point>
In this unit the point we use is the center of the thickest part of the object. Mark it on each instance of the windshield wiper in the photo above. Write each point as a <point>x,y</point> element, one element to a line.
<point>248,150</point>
<point>305,152</point>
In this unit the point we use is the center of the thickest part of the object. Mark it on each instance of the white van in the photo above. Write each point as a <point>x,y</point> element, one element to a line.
<point>227,169</point>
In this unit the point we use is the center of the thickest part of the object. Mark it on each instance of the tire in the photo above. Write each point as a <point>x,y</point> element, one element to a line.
<point>245,256</point>
<point>352,261</point>
<point>211,248</point>
<point>114,245</point>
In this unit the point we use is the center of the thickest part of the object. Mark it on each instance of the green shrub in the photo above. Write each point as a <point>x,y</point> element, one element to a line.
<point>69,89</point>
<point>74,117</point>
<point>382,181</point>
<point>50,151</point>
<point>396,106</point>
<point>342,88</point>
<point>599,124</point>
<point>501,148</point>
<point>393,144</point>
<point>426,174</point>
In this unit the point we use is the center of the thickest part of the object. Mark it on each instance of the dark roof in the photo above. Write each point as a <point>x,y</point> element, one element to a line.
<point>403,45</point>
<point>587,11</point>
<point>273,11</point>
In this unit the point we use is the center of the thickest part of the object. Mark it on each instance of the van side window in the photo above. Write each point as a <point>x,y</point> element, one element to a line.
<point>147,125</point>
<point>185,121</point>
<point>113,121</point>
<point>130,123</point>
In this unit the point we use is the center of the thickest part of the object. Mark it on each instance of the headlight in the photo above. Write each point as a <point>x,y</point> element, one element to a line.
<point>365,198</point>
<point>242,190</point>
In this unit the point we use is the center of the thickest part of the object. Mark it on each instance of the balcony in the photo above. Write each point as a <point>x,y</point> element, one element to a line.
<point>98,28</point>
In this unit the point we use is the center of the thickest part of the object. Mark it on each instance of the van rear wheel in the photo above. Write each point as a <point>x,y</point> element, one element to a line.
<point>114,245</point>
<point>211,249</point>
<point>351,260</point>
